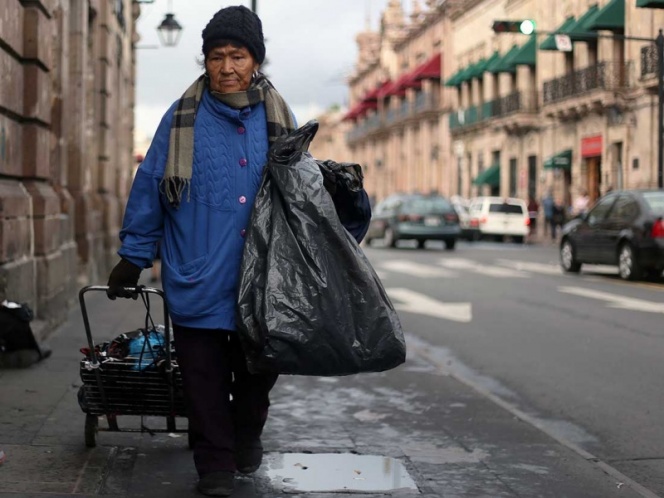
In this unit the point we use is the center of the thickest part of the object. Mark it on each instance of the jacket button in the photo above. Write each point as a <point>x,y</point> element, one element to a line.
<point>243,162</point>
<point>242,199</point>
<point>243,232</point>
<point>241,130</point>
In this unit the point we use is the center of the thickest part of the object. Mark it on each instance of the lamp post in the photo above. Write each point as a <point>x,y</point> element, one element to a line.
<point>169,30</point>
<point>254,7</point>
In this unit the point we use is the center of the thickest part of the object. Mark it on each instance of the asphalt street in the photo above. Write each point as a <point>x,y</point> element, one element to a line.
<point>580,353</point>
<point>520,382</point>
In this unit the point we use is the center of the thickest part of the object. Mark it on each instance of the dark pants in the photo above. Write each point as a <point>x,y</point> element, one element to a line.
<point>214,370</point>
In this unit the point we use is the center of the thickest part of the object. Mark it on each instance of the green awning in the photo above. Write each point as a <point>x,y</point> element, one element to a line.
<point>562,160</point>
<point>503,65</point>
<point>457,78</point>
<point>452,81</point>
<point>611,17</point>
<point>550,42</point>
<point>476,70</point>
<point>490,176</point>
<point>465,75</point>
<point>526,55</point>
<point>580,30</point>
<point>650,4</point>
<point>483,64</point>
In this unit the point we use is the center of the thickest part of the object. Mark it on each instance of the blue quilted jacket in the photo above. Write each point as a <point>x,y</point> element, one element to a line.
<point>202,240</point>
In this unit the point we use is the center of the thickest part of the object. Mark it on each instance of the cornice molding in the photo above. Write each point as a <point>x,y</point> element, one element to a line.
<point>457,8</point>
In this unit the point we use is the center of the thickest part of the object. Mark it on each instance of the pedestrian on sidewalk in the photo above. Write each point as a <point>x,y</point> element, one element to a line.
<point>547,206</point>
<point>195,192</point>
<point>557,219</point>
<point>581,203</point>
<point>533,212</point>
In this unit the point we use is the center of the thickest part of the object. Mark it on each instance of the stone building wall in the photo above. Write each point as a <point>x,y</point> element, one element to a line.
<point>66,124</point>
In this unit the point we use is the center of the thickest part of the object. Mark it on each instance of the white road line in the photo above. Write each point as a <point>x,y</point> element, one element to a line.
<point>615,300</point>
<point>491,271</point>
<point>546,269</point>
<point>416,269</point>
<point>414,302</point>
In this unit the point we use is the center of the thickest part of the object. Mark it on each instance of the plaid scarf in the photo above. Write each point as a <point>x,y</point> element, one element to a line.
<point>179,166</point>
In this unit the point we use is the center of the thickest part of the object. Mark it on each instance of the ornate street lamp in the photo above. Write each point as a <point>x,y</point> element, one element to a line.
<point>169,30</point>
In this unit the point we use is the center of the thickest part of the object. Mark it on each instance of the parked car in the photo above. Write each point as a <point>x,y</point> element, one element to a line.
<point>499,217</point>
<point>623,228</point>
<point>415,217</point>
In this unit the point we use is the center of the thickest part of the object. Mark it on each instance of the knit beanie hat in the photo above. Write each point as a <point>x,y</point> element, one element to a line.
<point>236,23</point>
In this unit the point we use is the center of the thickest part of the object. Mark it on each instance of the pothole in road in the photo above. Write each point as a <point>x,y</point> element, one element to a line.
<point>337,472</point>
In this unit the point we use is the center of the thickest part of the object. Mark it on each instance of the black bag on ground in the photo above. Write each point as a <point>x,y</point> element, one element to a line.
<point>309,301</point>
<point>18,346</point>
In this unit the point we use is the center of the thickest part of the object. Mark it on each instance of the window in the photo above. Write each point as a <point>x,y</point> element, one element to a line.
<point>625,209</point>
<point>430,205</point>
<point>532,177</point>
<point>513,177</point>
<point>599,212</point>
<point>655,201</point>
<point>505,208</point>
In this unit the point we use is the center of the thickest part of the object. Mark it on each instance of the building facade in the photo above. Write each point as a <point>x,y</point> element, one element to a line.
<point>507,113</point>
<point>534,116</point>
<point>330,140</point>
<point>396,102</point>
<point>66,127</point>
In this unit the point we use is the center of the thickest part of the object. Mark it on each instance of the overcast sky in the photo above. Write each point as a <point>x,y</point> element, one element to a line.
<point>310,46</point>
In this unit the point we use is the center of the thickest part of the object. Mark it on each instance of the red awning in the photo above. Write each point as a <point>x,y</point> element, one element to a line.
<point>398,87</point>
<point>359,110</point>
<point>429,70</point>
<point>374,94</point>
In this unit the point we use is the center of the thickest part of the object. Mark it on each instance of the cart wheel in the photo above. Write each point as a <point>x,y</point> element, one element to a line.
<point>91,425</point>
<point>190,439</point>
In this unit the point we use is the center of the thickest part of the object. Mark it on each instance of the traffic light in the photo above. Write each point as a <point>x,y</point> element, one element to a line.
<point>523,26</point>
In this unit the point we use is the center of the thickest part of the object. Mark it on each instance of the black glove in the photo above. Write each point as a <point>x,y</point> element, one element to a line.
<point>124,274</point>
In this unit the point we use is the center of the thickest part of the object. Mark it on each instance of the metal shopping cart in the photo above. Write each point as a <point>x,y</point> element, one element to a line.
<point>141,383</point>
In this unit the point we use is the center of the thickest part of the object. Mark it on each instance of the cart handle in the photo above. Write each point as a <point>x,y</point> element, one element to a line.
<point>140,289</point>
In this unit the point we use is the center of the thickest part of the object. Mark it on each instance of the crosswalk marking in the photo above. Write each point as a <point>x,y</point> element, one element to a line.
<point>414,302</point>
<point>491,271</point>
<point>416,269</point>
<point>544,268</point>
<point>615,300</point>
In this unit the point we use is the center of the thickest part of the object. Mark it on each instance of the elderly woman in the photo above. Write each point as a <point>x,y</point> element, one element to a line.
<point>194,192</point>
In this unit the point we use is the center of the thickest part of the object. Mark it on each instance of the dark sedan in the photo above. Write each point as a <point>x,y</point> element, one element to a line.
<point>624,228</point>
<point>414,217</point>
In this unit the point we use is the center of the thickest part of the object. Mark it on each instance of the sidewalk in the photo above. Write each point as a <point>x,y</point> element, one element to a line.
<point>453,440</point>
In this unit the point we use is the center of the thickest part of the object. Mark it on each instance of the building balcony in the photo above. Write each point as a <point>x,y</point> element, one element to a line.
<point>591,89</point>
<point>464,118</point>
<point>364,128</point>
<point>424,102</point>
<point>649,67</point>
<point>516,112</point>
<point>513,112</point>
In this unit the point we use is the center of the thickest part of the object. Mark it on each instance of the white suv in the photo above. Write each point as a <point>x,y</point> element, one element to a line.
<point>499,217</point>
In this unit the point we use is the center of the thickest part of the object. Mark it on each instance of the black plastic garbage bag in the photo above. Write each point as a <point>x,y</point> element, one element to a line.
<point>309,301</point>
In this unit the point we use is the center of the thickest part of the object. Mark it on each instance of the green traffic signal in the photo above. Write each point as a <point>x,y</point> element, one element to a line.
<point>523,26</point>
<point>527,27</point>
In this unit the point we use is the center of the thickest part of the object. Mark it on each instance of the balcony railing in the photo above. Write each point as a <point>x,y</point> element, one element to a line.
<point>605,75</point>
<point>424,101</point>
<point>514,102</point>
<point>464,117</point>
<point>648,61</point>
